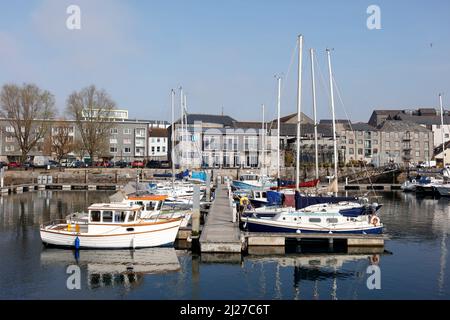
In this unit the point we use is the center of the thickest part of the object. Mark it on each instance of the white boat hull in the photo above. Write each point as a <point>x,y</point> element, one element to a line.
<point>149,235</point>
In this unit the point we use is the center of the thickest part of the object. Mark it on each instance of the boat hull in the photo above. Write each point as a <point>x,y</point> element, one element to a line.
<point>265,225</point>
<point>152,235</point>
<point>443,191</point>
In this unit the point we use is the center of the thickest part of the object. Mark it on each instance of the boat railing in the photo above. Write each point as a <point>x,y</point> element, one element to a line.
<point>53,223</point>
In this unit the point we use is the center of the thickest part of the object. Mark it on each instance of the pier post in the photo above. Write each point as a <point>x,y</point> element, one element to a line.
<point>2,179</point>
<point>196,211</point>
<point>208,187</point>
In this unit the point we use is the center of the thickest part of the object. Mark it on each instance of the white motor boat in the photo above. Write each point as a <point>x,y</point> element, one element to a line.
<point>111,226</point>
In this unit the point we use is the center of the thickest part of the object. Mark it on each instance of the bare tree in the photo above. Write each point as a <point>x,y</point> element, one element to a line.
<point>62,140</point>
<point>92,111</point>
<point>27,109</point>
<point>78,148</point>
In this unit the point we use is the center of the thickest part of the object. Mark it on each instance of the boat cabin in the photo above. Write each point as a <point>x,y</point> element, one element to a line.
<point>149,203</point>
<point>249,177</point>
<point>107,213</point>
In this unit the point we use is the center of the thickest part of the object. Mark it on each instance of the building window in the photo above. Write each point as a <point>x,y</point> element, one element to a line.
<point>360,142</point>
<point>9,148</point>
<point>127,131</point>
<point>417,154</point>
<point>127,150</point>
<point>113,141</point>
<point>140,132</point>
<point>126,141</point>
<point>350,141</point>
<point>351,151</point>
<point>114,131</point>
<point>446,135</point>
<point>360,151</point>
<point>9,139</point>
<point>250,144</point>
<point>158,139</point>
<point>375,141</point>
<point>10,129</point>
<point>113,149</point>
<point>163,149</point>
<point>158,149</point>
<point>388,144</point>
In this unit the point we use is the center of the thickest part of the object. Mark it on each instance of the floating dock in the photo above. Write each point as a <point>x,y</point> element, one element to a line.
<point>57,186</point>
<point>220,233</point>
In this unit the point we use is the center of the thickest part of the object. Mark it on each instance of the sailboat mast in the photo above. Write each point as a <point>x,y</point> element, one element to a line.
<point>333,117</point>
<point>442,129</point>
<point>278,127</point>
<point>173,139</point>
<point>299,110</point>
<point>263,141</point>
<point>313,78</point>
<point>185,117</point>
<point>182,126</point>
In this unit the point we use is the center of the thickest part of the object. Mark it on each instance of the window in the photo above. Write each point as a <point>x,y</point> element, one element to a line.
<point>119,216</point>
<point>127,131</point>
<point>150,206</point>
<point>351,151</point>
<point>416,135</point>
<point>360,142</point>
<point>350,141</point>
<point>417,145</point>
<point>127,150</point>
<point>114,131</point>
<point>375,141</point>
<point>140,132</point>
<point>388,144</point>
<point>158,149</point>
<point>375,151</point>
<point>397,144</point>
<point>113,141</point>
<point>95,216</point>
<point>158,139</point>
<point>9,139</point>
<point>107,216</point>
<point>360,151</point>
<point>315,220</point>
<point>10,129</point>
<point>163,149</point>
<point>446,135</point>
<point>113,149</point>
<point>153,149</point>
<point>332,220</point>
<point>250,143</point>
<point>9,148</point>
<point>417,153</point>
<point>131,216</point>
<point>126,141</point>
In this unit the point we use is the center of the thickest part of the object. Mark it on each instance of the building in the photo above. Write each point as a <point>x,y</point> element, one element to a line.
<point>128,140</point>
<point>404,142</point>
<point>360,142</point>
<point>157,143</point>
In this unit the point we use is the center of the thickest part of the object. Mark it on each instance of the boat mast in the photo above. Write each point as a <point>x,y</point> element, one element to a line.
<point>442,130</point>
<point>185,118</point>
<point>299,107</point>
<point>173,139</point>
<point>333,118</point>
<point>311,51</point>
<point>263,141</point>
<point>278,126</point>
<point>182,127</point>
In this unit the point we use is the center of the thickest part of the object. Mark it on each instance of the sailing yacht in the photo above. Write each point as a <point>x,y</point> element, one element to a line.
<point>337,217</point>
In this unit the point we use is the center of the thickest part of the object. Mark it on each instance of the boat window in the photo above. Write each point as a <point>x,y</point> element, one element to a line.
<point>150,206</point>
<point>119,216</point>
<point>315,220</point>
<point>107,216</point>
<point>131,216</point>
<point>332,220</point>
<point>95,216</point>
<point>264,194</point>
<point>160,205</point>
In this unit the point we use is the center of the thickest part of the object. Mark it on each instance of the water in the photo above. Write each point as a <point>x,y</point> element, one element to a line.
<point>414,268</point>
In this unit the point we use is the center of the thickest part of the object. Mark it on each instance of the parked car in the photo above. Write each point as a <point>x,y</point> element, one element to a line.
<point>78,164</point>
<point>28,165</point>
<point>3,164</point>
<point>14,164</point>
<point>105,164</point>
<point>121,164</point>
<point>153,164</point>
<point>137,164</point>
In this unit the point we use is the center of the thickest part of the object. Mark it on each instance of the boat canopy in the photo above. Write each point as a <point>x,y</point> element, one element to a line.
<point>305,201</point>
<point>274,198</point>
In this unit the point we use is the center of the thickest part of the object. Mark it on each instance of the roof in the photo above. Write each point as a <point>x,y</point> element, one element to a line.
<point>290,129</point>
<point>293,117</point>
<point>210,118</point>
<point>400,125</point>
<point>423,119</point>
<point>113,206</point>
<point>362,126</point>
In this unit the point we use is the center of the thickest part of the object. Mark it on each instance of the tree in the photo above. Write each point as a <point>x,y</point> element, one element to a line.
<point>27,109</point>
<point>62,140</point>
<point>92,111</point>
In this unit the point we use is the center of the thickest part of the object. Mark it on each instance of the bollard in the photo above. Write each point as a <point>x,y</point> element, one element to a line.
<point>196,211</point>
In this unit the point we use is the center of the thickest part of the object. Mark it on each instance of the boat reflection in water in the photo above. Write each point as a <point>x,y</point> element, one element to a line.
<point>316,269</point>
<point>115,267</point>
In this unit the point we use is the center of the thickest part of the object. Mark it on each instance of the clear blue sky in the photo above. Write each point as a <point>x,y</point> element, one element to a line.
<point>226,53</point>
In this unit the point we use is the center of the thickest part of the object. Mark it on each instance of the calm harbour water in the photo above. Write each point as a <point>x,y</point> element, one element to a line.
<point>416,265</point>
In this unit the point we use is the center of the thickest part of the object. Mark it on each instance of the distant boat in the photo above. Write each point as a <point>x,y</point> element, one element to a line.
<point>250,181</point>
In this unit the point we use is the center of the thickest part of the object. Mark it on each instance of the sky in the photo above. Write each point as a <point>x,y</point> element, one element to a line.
<point>226,54</point>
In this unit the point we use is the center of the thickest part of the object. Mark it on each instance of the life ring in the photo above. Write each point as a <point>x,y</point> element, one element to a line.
<point>375,220</point>
<point>244,201</point>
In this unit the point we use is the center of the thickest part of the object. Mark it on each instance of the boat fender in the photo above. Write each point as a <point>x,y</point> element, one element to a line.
<point>77,243</point>
<point>374,220</point>
<point>243,201</point>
